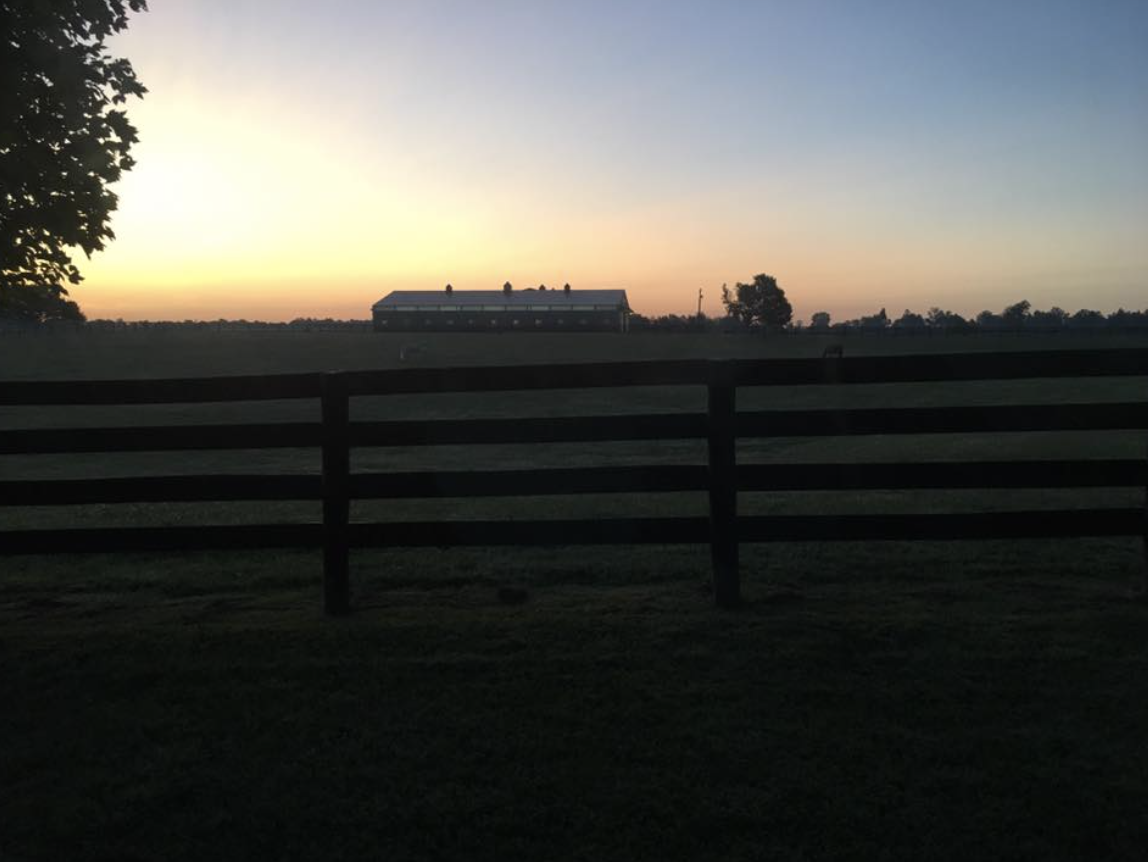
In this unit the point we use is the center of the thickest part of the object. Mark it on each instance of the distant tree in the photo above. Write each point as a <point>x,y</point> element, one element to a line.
<point>1086,319</point>
<point>1121,319</point>
<point>760,303</point>
<point>947,321</point>
<point>988,320</point>
<point>1016,315</point>
<point>63,140</point>
<point>1054,318</point>
<point>909,320</point>
<point>819,321</point>
<point>734,309</point>
<point>878,321</point>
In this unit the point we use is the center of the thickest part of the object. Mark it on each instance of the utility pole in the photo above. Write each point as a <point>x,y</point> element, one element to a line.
<point>700,294</point>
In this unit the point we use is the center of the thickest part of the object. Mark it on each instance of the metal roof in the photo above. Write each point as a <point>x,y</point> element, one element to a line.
<point>514,299</point>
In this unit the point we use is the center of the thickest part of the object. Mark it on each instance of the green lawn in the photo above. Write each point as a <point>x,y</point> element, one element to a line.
<point>886,700</point>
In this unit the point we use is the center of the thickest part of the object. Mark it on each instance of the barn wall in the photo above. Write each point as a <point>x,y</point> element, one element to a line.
<point>490,321</point>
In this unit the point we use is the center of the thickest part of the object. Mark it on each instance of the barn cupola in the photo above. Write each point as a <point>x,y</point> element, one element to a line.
<point>449,289</point>
<point>506,288</point>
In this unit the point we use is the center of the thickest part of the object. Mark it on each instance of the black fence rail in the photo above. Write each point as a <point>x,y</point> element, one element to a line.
<point>721,425</point>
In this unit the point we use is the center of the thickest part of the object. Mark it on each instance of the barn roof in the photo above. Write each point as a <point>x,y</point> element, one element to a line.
<point>513,299</point>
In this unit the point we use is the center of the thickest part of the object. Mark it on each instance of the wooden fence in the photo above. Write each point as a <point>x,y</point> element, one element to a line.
<point>721,425</point>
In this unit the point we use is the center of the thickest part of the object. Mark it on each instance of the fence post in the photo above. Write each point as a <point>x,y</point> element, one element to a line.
<point>336,494</point>
<point>721,439</point>
<point>1144,537</point>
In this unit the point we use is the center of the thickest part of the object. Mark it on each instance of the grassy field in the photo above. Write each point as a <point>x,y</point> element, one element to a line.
<point>883,700</point>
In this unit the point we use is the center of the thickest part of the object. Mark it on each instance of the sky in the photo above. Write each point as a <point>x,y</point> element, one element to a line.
<point>303,159</point>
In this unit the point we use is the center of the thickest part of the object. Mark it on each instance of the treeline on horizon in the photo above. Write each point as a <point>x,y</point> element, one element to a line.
<point>1018,317</point>
<point>307,324</point>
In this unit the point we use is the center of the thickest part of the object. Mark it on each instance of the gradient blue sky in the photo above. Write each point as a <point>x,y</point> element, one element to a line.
<point>303,158</point>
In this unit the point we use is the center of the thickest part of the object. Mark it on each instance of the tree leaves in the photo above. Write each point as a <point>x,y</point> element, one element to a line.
<point>62,141</point>
<point>759,303</point>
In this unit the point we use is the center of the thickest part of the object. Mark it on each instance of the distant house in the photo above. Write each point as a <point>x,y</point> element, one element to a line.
<point>530,310</point>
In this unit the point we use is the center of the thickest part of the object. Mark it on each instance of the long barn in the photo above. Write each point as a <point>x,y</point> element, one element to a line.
<point>533,309</point>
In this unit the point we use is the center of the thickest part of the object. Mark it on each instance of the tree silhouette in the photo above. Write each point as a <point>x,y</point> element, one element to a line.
<point>1086,318</point>
<point>63,139</point>
<point>878,321</point>
<point>949,321</point>
<point>1054,318</point>
<point>820,320</point>
<point>988,320</point>
<point>1015,316</point>
<point>759,303</point>
<point>910,320</point>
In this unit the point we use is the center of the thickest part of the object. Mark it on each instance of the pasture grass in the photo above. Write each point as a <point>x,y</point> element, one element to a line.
<point>893,701</point>
<point>899,701</point>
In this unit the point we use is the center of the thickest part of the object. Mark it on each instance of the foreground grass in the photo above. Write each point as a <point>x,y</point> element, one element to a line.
<point>870,701</point>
